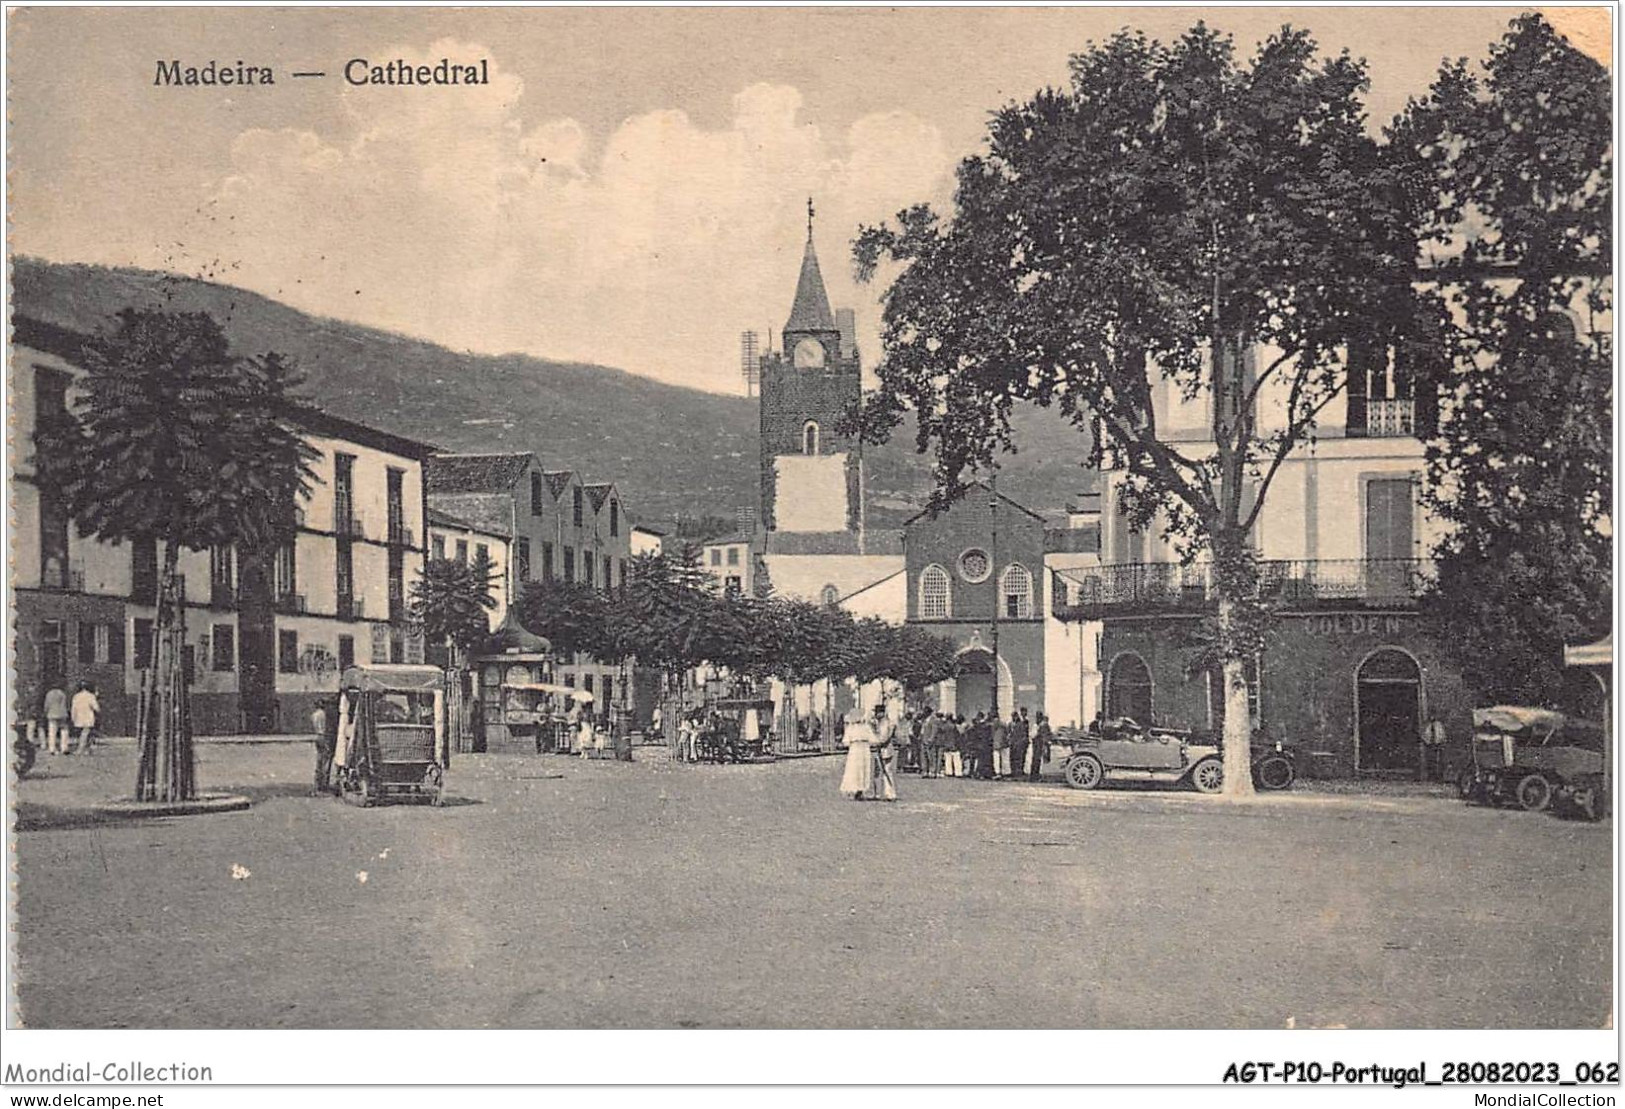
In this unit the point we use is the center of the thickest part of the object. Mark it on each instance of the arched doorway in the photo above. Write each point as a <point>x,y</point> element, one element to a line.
<point>973,683</point>
<point>1388,708</point>
<point>1128,688</point>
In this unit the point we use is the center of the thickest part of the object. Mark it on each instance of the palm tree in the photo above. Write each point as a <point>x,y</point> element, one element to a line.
<point>172,439</point>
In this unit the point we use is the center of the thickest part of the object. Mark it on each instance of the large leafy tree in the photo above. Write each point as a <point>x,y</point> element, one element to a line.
<point>573,616</point>
<point>662,616</point>
<point>1513,165</point>
<point>452,602</point>
<point>920,659</point>
<point>668,618</point>
<point>171,438</point>
<point>1175,216</point>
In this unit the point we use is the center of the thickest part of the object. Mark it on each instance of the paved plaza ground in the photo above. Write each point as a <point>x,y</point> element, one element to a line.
<point>559,893</point>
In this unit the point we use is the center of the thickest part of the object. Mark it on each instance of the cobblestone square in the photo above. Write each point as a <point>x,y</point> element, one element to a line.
<point>554,893</point>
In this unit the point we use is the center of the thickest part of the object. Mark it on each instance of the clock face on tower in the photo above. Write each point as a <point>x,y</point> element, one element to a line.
<point>809,354</point>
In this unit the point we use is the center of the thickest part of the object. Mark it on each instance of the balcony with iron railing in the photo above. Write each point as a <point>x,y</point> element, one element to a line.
<point>1136,588</point>
<point>400,535</point>
<point>350,608</point>
<point>347,524</point>
<point>290,603</point>
<point>222,594</point>
<point>1376,418</point>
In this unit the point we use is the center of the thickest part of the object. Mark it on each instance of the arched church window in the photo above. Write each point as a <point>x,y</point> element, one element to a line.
<point>935,603</point>
<point>1016,592</point>
<point>829,596</point>
<point>809,437</point>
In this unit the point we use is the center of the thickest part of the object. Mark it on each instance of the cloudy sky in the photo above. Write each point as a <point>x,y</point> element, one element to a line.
<point>629,190</point>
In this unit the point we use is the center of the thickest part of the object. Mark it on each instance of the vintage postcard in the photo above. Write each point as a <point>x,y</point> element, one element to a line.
<point>1067,518</point>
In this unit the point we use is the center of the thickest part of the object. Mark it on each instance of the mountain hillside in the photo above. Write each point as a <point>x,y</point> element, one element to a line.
<point>673,451</point>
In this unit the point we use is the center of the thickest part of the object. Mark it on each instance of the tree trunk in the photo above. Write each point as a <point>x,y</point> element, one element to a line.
<point>790,727</point>
<point>669,721</point>
<point>459,726</point>
<point>166,771</point>
<point>1238,725</point>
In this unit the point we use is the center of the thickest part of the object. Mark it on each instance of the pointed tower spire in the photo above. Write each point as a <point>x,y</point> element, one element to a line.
<point>810,311</point>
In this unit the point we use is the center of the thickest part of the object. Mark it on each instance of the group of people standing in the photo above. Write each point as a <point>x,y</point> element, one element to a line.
<point>941,745</point>
<point>985,746</point>
<point>63,716</point>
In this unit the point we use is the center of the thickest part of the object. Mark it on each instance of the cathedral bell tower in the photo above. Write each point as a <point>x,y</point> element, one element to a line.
<point>812,476</point>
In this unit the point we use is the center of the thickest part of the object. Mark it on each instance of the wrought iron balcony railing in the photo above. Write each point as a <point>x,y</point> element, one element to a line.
<point>1134,587</point>
<point>291,603</point>
<point>1381,418</point>
<point>1390,417</point>
<point>348,524</point>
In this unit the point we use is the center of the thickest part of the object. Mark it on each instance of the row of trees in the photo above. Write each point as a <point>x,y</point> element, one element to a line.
<point>171,438</point>
<point>667,618</point>
<point>1234,229</point>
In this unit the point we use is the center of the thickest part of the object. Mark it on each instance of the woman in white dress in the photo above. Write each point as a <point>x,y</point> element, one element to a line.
<point>858,778</point>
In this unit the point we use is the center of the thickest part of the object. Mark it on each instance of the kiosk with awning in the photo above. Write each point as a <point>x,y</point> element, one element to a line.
<point>521,709</point>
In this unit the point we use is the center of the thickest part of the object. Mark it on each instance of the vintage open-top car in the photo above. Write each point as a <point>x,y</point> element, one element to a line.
<point>1122,750</point>
<point>392,734</point>
<point>1537,758</point>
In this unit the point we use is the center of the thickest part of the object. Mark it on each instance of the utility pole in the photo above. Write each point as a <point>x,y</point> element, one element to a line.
<point>993,557</point>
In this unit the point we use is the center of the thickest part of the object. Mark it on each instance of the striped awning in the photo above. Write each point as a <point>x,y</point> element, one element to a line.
<point>1600,653</point>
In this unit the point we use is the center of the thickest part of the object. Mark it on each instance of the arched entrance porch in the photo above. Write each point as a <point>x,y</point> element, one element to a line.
<point>1388,710</point>
<point>972,684</point>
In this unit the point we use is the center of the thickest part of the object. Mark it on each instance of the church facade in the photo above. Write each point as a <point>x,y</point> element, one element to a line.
<point>813,541</point>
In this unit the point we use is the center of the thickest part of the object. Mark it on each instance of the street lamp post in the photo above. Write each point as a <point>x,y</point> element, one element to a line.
<point>993,558</point>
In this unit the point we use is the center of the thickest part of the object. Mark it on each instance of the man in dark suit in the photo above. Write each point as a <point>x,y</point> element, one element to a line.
<point>1019,730</point>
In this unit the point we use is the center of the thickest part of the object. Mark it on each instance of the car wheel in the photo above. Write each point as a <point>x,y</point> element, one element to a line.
<point>1535,793</point>
<point>1084,772</point>
<point>1275,772</point>
<point>1208,775</point>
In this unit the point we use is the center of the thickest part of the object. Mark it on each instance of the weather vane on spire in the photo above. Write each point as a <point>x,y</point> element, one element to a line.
<point>809,218</point>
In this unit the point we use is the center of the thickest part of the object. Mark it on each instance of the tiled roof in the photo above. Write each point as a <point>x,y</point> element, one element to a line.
<point>474,473</point>
<point>599,492</point>
<point>810,312</point>
<point>439,517</point>
<point>811,543</point>
<point>557,480</point>
<point>487,513</point>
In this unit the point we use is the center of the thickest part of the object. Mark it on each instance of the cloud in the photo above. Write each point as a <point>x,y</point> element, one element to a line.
<point>649,247</point>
